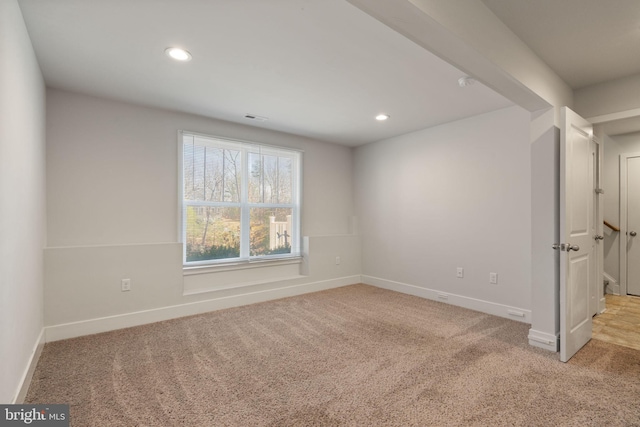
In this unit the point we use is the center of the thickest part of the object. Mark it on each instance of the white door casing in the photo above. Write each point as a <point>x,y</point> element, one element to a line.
<point>577,231</point>
<point>597,288</point>
<point>630,223</point>
<point>598,296</point>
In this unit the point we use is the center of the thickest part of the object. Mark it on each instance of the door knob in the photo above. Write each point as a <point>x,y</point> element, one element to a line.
<point>598,237</point>
<point>565,247</point>
<point>633,233</point>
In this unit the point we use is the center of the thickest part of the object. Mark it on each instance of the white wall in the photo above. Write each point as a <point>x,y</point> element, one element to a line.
<point>22,207</point>
<point>545,230</point>
<point>468,35</point>
<point>456,195</point>
<point>113,169</point>
<point>112,214</point>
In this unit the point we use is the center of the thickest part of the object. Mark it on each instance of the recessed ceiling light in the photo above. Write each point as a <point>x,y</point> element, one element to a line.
<point>178,54</point>
<point>382,117</point>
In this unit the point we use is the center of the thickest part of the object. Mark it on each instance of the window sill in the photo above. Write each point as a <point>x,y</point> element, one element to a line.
<point>241,265</point>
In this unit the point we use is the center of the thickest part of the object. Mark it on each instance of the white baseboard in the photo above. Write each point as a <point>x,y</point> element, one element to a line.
<point>104,324</point>
<point>544,340</point>
<point>513,313</point>
<point>613,287</point>
<point>25,380</point>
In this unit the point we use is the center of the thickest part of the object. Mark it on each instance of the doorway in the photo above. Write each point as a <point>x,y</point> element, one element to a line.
<point>630,224</point>
<point>619,323</point>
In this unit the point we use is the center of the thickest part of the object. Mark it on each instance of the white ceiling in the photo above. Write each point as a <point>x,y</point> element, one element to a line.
<point>584,41</point>
<point>321,69</point>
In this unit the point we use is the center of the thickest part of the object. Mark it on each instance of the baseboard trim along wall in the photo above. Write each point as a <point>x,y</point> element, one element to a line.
<point>514,313</point>
<point>127,320</point>
<point>544,340</point>
<point>25,380</point>
<point>612,285</point>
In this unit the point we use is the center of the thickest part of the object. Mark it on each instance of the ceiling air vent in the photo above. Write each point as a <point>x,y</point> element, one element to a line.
<point>256,118</point>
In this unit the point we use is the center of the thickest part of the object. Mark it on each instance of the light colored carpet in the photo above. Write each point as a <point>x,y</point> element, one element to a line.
<point>353,356</point>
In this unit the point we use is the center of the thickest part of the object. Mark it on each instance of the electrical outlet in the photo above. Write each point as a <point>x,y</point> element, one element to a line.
<point>126,285</point>
<point>460,272</point>
<point>338,260</point>
<point>493,278</point>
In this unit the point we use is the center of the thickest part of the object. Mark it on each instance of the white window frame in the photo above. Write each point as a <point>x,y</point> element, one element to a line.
<point>245,147</point>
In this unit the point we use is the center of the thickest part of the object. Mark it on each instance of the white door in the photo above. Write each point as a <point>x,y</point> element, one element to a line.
<point>633,225</point>
<point>577,231</point>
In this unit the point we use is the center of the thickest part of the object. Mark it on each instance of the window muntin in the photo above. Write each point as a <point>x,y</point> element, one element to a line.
<point>240,201</point>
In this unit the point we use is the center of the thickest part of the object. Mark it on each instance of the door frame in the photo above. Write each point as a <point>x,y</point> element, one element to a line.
<point>623,220</point>
<point>599,221</point>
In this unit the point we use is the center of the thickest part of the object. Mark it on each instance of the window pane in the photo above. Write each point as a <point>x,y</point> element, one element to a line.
<point>212,233</point>
<point>232,163</point>
<point>255,178</point>
<point>193,172</point>
<point>224,183</point>
<point>285,177</point>
<point>271,231</point>
<point>211,174</point>
<point>270,179</point>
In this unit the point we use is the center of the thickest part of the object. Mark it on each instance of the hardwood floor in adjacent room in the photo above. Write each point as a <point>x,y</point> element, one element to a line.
<point>620,323</point>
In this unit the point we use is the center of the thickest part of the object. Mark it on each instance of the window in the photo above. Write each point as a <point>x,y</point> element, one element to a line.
<point>240,201</point>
